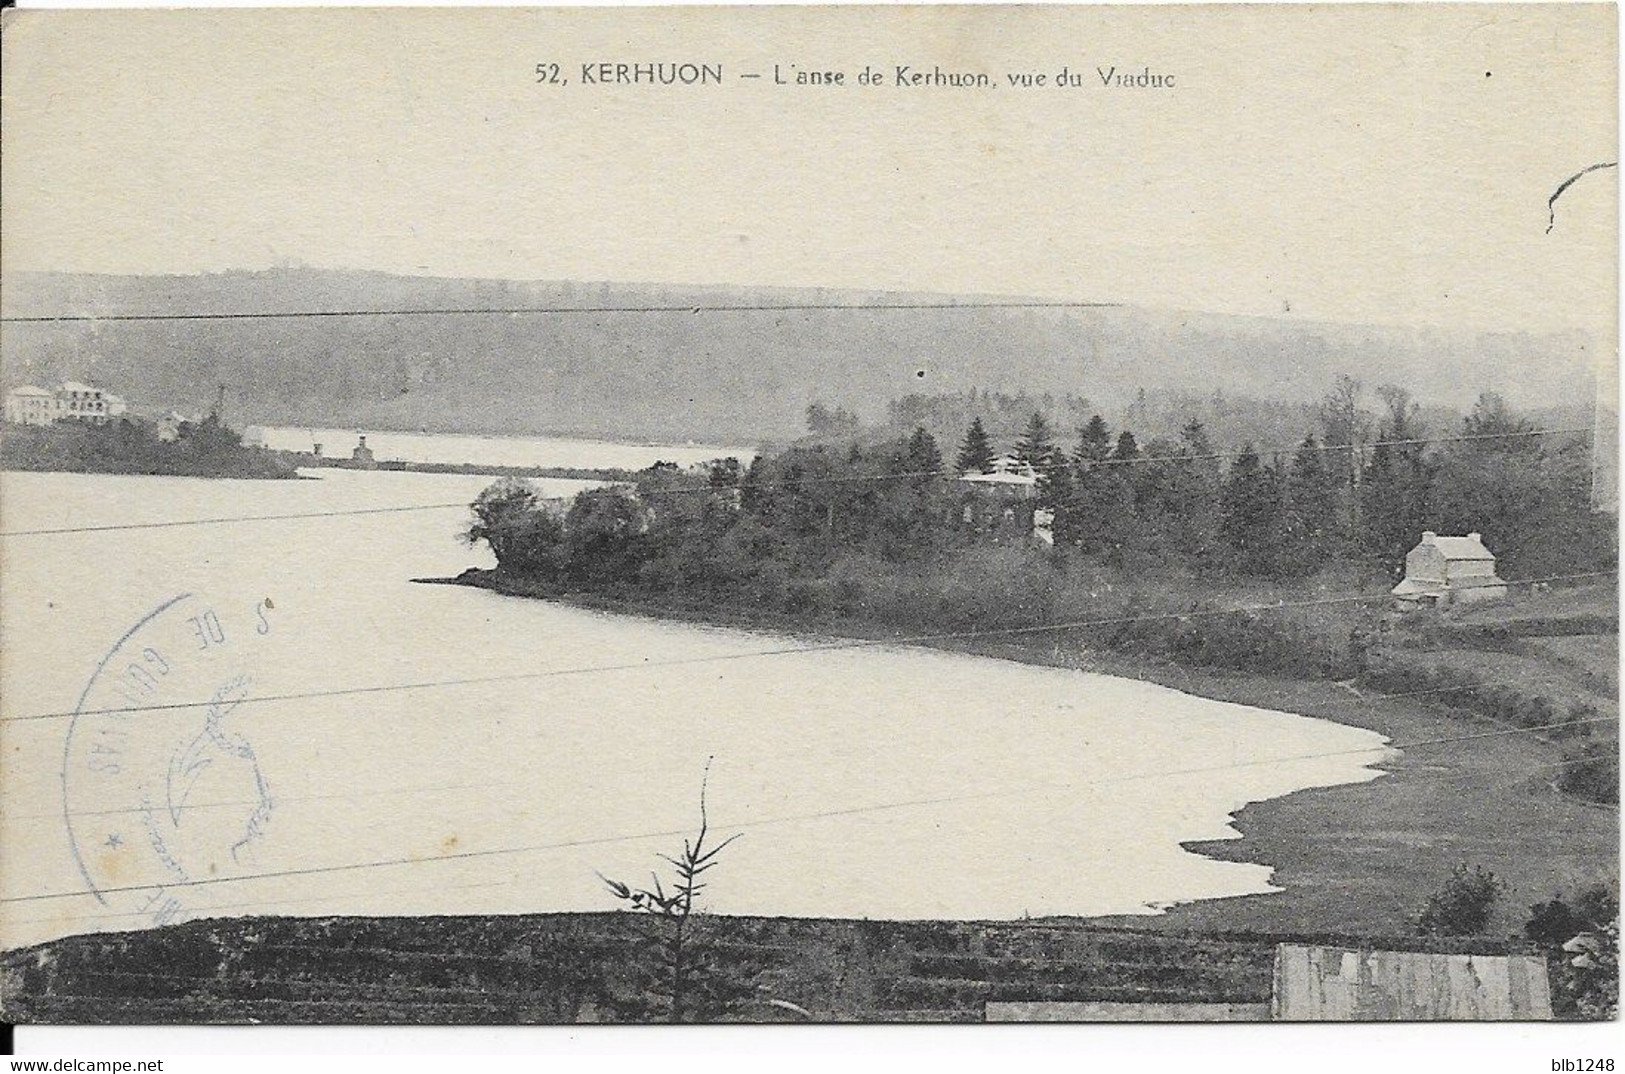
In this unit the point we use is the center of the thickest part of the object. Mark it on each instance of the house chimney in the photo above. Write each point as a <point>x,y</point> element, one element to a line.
<point>1427,536</point>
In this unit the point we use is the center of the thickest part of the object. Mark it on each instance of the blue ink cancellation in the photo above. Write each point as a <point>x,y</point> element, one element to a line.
<point>161,789</point>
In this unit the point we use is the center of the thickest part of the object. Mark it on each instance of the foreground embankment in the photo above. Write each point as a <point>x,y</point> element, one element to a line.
<point>565,968</point>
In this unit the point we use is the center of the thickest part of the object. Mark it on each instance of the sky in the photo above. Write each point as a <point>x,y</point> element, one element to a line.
<point>1374,164</point>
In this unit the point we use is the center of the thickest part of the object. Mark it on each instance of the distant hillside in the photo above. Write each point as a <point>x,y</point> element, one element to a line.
<point>724,376</point>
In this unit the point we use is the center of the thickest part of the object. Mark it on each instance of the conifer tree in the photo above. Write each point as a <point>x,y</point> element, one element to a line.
<point>1036,448</point>
<point>1056,487</point>
<point>1394,483</point>
<point>1310,522</point>
<point>1248,516</point>
<point>1078,513</point>
<point>1115,526</point>
<point>1094,443</point>
<point>1127,447</point>
<point>1193,497</point>
<point>976,453</point>
<point>922,454</point>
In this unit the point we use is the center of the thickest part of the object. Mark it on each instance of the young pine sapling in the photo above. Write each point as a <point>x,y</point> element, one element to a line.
<point>684,973</point>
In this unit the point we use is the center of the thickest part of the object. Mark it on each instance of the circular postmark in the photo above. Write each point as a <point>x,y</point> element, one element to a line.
<point>161,789</point>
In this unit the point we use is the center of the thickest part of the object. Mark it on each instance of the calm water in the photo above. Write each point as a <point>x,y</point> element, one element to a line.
<point>493,450</point>
<point>867,782</point>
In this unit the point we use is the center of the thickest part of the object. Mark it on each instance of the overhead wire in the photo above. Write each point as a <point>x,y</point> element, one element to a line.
<point>416,860</point>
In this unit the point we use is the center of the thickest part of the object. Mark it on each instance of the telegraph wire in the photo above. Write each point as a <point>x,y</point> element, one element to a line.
<point>831,646</point>
<point>205,911</point>
<point>225,519</point>
<point>530,311</point>
<point>330,897</point>
<point>647,665</point>
<point>437,788</point>
<point>383,863</point>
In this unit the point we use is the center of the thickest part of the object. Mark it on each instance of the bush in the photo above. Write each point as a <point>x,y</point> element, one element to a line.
<point>1581,943</point>
<point>1554,923</point>
<point>525,536</point>
<point>604,533</point>
<point>1591,772</point>
<point>1463,906</point>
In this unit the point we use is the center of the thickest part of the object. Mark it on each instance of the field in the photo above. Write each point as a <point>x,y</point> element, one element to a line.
<point>1365,858</point>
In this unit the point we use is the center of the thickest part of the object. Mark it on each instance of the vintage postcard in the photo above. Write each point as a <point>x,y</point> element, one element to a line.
<point>895,514</point>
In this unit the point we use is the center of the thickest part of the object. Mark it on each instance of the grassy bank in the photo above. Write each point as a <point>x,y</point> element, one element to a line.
<point>1361,859</point>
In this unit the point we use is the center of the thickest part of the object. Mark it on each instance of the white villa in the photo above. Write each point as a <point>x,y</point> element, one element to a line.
<point>69,401</point>
<point>86,402</point>
<point>29,405</point>
<point>1449,570</point>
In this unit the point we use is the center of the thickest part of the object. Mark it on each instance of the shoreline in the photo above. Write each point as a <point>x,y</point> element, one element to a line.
<point>1355,858</point>
<point>465,469</point>
<point>305,462</point>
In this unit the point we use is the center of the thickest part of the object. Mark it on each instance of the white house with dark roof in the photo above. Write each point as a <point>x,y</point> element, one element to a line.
<point>1450,570</point>
<point>82,402</point>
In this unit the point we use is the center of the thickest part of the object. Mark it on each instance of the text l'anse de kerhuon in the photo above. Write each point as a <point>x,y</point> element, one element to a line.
<point>615,73</point>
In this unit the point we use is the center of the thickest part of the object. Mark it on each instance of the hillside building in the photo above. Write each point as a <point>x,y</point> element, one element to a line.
<point>1449,570</point>
<point>77,401</point>
<point>1000,502</point>
<point>29,405</point>
<point>169,426</point>
<point>69,401</point>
